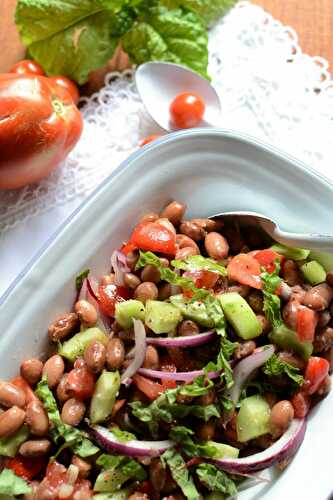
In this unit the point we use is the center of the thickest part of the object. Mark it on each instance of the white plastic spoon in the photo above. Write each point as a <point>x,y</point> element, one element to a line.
<point>158,84</point>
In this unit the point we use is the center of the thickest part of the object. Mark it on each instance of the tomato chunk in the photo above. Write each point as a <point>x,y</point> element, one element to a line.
<point>150,388</point>
<point>245,270</point>
<point>301,403</point>
<point>154,237</point>
<point>266,259</point>
<point>24,467</point>
<point>315,373</point>
<point>80,383</point>
<point>109,295</point>
<point>168,366</point>
<point>306,322</point>
<point>202,278</point>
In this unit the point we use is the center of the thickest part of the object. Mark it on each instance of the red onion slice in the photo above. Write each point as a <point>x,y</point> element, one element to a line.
<point>92,286</point>
<point>186,341</point>
<point>120,267</point>
<point>185,376</point>
<point>283,449</point>
<point>131,448</point>
<point>103,321</point>
<point>140,350</point>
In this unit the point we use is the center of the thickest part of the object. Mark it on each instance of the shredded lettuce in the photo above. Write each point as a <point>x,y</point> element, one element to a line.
<point>216,479</point>
<point>275,367</point>
<point>180,473</point>
<point>80,277</point>
<point>183,436</point>
<point>11,484</point>
<point>227,348</point>
<point>272,303</point>
<point>121,468</point>
<point>197,262</point>
<point>72,437</point>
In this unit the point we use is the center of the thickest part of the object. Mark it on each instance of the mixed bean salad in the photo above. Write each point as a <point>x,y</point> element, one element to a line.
<point>187,368</point>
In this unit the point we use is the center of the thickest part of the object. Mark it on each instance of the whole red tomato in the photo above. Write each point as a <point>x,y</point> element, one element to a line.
<point>67,84</point>
<point>39,126</point>
<point>27,67</point>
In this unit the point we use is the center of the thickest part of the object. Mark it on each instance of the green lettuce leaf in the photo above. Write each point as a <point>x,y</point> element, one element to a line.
<point>79,279</point>
<point>180,473</point>
<point>177,36</point>
<point>216,479</point>
<point>72,437</point>
<point>207,10</point>
<point>197,262</point>
<point>272,303</point>
<point>10,484</point>
<point>183,436</point>
<point>274,367</point>
<point>227,348</point>
<point>127,466</point>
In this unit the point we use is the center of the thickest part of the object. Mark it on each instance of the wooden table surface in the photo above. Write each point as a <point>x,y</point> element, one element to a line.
<point>311,19</point>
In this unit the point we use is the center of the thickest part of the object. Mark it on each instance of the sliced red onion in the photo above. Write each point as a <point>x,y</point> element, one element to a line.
<point>131,448</point>
<point>103,321</point>
<point>283,449</point>
<point>185,376</point>
<point>140,350</point>
<point>186,341</point>
<point>120,267</point>
<point>92,286</point>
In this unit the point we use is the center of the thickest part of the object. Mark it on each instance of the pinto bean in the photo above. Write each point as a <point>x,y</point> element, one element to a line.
<point>245,349</point>
<point>174,212</point>
<point>192,230</point>
<point>10,421</point>
<point>146,291</point>
<point>292,359</point>
<point>184,241</point>
<point>289,313</point>
<point>149,217</point>
<point>86,312</point>
<point>83,466</point>
<point>63,327</point>
<point>187,327</point>
<point>324,317</point>
<point>209,225</point>
<point>297,293</point>
<point>73,412</point>
<point>150,273</point>
<point>35,448</point>
<point>36,418</point>
<point>131,280</point>
<point>63,393</point>
<point>10,395</point>
<point>281,416</point>
<point>115,353</point>
<point>318,297</point>
<point>185,252</point>
<point>243,290</point>
<point>152,360</point>
<point>216,245</point>
<point>31,370</point>
<point>54,369</point>
<point>323,340</point>
<point>132,258</point>
<point>94,356</point>
<point>265,323</point>
<point>256,301</point>
<point>157,474</point>
<point>166,290</point>
<point>290,273</point>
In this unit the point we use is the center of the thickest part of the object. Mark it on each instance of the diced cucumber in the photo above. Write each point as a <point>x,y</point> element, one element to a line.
<point>215,495</point>
<point>253,418</point>
<point>313,272</point>
<point>162,317</point>
<point>291,253</point>
<point>75,347</point>
<point>107,387</point>
<point>9,446</point>
<point>129,310</point>
<point>118,495</point>
<point>287,339</point>
<point>224,450</point>
<point>240,315</point>
<point>109,480</point>
<point>196,311</point>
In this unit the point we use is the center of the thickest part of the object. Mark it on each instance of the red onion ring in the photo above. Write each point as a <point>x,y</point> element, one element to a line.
<point>140,350</point>
<point>185,376</point>
<point>186,341</point>
<point>120,267</point>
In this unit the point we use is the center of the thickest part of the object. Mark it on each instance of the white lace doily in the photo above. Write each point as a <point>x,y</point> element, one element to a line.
<point>268,88</point>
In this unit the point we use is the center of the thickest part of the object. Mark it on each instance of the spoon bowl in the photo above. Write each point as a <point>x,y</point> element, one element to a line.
<point>311,241</point>
<point>158,84</point>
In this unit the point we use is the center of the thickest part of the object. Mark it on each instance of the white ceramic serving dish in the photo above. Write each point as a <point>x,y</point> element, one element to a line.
<point>211,171</point>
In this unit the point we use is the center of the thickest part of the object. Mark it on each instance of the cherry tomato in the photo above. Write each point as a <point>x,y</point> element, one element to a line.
<point>80,383</point>
<point>150,388</point>
<point>301,403</point>
<point>316,371</point>
<point>109,295</point>
<point>39,126</point>
<point>154,237</point>
<point>24,467</point>
<point>22,384</point>
<point>68,85</point>
<point>202,278</point>
<point>27,67</point>
<point>245,270</point>
<point>306,322</point>
<point>187,110</point>
<point>148,139</point>
<point>266,259</point>
<point>127,248</point>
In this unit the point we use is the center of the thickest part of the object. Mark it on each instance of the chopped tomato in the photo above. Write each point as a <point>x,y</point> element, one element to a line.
<point>266,259</point>
<point>245,270</point>
<point>57,475</point>
<point>187,110</point>
<point>301,403</point>
<point>109,295</point>
<point>80,383</point>
<point>154,237</point>
<point>24,467</point>
<point>127,248</point>
<point>22,384</point>
<point>316,371</point>
<point>82,489</point>
<point>202,278</point>
<point>306,322</point>
<point>148,139</point>
<point>168,366</point>
<point>150,388</point>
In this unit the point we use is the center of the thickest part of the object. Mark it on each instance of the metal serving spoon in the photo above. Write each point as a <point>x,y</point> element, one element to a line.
<point>311,241</point>
<point>158,84</point>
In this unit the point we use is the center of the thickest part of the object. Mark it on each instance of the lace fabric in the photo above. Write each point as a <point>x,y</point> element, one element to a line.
<point>268,88</point>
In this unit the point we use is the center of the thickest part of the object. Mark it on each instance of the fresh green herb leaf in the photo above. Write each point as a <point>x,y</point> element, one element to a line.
<point>183,436</point>
<point>72,437</point>
<point>272,304</point>
<point>207,10</point>
<point>216,479</point>
<point>275,367</point>
<point>197,262</point>
<point>180,473</point>
<point>11,484</point>
<point>121,435</point>
<point>226,403</point>
<point>128,467</point>
<point>80,277</point>
<point>227,348</point>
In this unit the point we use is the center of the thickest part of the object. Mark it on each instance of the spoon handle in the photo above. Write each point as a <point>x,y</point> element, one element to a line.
<point>312,241</point>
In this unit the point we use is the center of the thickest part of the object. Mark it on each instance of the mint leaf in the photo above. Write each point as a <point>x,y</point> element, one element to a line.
<point>177,36</point>
<point>121,435</point>
<point>197,262</point>
<point>216,479</point>
<point>274,367</point>
<point>11,484</point>
<point>80,277</point>
<point>180,473</point>
<point>272,303</point>
<point>127,466</point>
<point>183,436</point>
